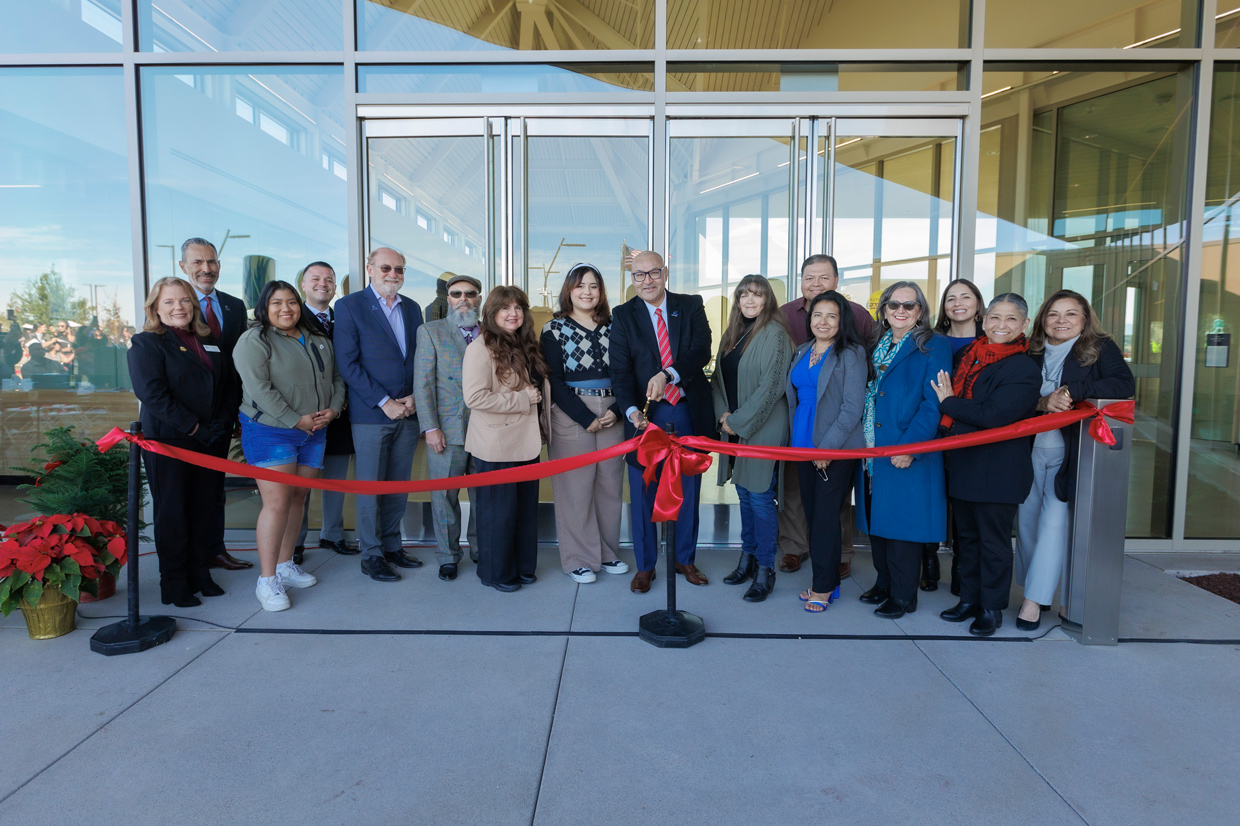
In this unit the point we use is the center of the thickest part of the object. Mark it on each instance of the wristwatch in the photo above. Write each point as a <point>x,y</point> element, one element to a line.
<point>668,374</point>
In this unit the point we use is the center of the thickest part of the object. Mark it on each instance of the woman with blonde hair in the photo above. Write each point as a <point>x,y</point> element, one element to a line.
<point>504,379</point>
<point>748,385</point>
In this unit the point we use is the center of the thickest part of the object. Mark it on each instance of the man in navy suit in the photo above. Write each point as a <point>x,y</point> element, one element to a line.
<point>660,342</point>
<point>226,316</point>
<point>375,339</point>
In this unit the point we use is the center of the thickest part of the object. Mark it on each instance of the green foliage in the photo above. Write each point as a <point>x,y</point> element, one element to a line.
<point>46,299</point>
<point>77,478</point>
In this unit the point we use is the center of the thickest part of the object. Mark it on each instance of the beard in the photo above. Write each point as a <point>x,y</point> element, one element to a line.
<point>464,317</point>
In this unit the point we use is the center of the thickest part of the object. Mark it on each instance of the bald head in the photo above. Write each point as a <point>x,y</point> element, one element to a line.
<point>386,269</point>
<point>649,277</point>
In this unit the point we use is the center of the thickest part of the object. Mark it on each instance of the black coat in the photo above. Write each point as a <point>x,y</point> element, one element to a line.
<point>1107,378</point>
<point>635,359</point>
<point>177,391</point>
<point>235,321</point>
<point>1004,393</point>
<point>339,432</point>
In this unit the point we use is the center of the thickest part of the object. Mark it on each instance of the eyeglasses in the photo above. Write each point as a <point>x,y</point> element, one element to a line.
<point>387,268</point>
<point>464,293</point>
<point>907,306</point>
<point>639,277</point>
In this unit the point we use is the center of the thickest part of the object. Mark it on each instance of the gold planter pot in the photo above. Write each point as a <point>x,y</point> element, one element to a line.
<point>54,615</point>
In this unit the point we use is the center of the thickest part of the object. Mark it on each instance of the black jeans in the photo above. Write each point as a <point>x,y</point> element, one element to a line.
<point>985,533</point>
<point>822,501</point>
<point>507,526</point>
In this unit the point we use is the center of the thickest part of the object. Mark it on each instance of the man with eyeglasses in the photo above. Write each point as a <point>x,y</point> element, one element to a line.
<point>660,343</point>
<point>443,415</point>
<point>819,273</point>
<point>376,344</point>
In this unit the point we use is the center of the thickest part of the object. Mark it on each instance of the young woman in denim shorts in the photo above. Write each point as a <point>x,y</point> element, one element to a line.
<point>290,393</point>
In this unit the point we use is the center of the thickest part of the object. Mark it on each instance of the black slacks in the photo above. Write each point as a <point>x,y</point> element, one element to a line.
<point>985,533</point>
<point>189,520</point>
<point>897,561</point>
<point>507,526</point>
<point>822,500</point>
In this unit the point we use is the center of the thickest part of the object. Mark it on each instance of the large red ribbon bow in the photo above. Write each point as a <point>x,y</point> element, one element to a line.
<point>1120,411</point>
<point>655,446</point>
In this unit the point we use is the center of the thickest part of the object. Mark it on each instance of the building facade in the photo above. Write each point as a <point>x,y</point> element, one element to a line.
<point>1023,146</point>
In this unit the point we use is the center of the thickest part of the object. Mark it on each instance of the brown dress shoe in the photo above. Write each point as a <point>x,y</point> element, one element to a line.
<point>791,562</point>
<point>641,581</point>
<point>691,574</point>
<point>229,562</point>
<point>845,570</point>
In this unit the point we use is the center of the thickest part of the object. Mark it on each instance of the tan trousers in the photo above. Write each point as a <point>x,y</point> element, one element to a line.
<point>793,533</point>
<point>587,500</point>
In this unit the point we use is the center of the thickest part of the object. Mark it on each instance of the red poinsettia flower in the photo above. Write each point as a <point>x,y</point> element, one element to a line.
<point>33,560</point>
<point>118,547</point>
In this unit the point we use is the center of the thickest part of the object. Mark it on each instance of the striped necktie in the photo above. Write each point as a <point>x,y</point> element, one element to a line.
<point>672,393</point>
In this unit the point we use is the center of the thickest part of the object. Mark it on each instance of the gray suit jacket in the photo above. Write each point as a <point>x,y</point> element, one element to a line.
<point>437,380</point>
<point>841,398</point>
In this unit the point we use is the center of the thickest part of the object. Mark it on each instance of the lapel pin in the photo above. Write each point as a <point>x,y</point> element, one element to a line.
<point>184,350</point>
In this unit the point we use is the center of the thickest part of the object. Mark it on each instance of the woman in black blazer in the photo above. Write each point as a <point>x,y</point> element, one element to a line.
<point>1078,361</point>
<point>190,394</point>
<point>995,383</point>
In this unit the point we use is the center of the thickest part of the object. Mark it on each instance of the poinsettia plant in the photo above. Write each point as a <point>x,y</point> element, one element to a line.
<point>67,550</point>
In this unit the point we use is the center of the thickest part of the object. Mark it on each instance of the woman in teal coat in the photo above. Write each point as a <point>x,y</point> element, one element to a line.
<point>902,500</point>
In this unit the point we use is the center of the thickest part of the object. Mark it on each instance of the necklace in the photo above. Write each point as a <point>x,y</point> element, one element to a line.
<point>815,356</point>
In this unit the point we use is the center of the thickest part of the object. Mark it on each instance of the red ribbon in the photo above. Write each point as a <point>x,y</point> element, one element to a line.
<point>679,456</point>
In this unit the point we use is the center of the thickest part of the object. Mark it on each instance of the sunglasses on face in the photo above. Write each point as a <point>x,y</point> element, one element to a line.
<point>387,268</point>
<point>464,293</point>
<point>907,306</point>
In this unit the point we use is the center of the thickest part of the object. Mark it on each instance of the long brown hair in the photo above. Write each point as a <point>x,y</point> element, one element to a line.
<point>1088,346</point>
<point>516,354</point>
<point>944,324</point>
<point>767,315</point>
<point>197,324</point>
<point>577,274</point>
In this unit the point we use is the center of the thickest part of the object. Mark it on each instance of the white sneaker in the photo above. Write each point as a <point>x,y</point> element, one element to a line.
<point>271,594</point>
<point>616,566</point>
<point>291,575</point>
<point>583,575</point>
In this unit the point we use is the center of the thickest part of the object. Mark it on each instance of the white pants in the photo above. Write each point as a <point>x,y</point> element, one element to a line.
<point>1042,532</point>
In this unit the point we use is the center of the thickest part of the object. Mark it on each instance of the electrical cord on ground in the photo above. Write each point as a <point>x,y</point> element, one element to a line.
<point>174,616</point>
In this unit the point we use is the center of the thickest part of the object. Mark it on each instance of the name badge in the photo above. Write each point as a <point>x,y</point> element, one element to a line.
<point>210,348</point>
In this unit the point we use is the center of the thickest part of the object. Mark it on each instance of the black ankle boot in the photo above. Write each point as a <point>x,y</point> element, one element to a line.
<point>955,574</point>
<point>875,596</point>
<point>987,622</point>
<point>930,567</point>
<point>763,584</point>
<point>745,569</point>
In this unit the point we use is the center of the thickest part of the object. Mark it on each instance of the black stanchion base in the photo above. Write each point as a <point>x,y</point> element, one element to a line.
<point>123,638</point>
<point>680,629</point>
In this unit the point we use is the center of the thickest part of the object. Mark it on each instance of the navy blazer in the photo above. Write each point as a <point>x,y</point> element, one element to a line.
<point>909,503</point>
<point>634,358</point>
<point>1109,377</point>
<point>236,320</point>
<point>339,432</point>
<point>177,390</point>
<point>368,356</point>
<point>1005,393</point>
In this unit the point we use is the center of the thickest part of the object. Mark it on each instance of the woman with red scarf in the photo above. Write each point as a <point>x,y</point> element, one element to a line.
<point>995,383</point>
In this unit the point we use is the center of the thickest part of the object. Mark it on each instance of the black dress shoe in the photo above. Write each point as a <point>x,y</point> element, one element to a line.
<point>402,560</point>
<point>339,547</point>
<point>182,601</point>
<point>875,596</point>
<point>505,587</point>
<point>961,612</point>
<point>745,569</point>
<point>299,554</point>
<point>895,608</point>
<point>763,584</point>
<point>211,589</point>
<point>527,579</point>
<point>378,569</point>
<point>987,622</point>
<point>1028,625</point>
<point>447,571</point>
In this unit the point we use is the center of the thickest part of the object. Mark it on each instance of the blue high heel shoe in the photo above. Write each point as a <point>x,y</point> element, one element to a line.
<point>817,606</point>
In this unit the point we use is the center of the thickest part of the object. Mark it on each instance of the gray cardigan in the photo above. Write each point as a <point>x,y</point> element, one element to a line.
<point>841,398</point>
<point>294,381</point>
<point>762,418</point>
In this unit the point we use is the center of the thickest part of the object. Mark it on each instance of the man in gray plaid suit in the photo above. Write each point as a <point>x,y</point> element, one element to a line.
<point>444,416</point>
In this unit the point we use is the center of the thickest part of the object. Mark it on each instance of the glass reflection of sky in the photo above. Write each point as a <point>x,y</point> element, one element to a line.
<point>239,25</point>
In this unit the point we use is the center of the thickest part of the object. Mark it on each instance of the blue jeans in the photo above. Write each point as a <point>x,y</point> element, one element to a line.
<point>759,523</point>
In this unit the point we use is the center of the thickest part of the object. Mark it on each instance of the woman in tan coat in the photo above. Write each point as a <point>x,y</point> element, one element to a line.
<point>504,378</point>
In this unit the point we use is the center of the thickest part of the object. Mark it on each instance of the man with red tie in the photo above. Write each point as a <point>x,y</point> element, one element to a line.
<point>226,316</point>
<point>660,343</point>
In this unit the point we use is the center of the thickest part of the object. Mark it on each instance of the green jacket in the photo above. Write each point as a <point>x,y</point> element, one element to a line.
<point>295,380</point>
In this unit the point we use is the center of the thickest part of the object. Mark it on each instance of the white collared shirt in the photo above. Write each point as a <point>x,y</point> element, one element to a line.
<point>654,322</point>
<point>214,298</point>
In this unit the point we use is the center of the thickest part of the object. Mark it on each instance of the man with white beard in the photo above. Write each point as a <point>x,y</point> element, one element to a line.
<point>443,415</point>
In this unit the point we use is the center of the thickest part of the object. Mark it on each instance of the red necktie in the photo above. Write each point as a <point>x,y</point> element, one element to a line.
<point>671,394</point>
<point>212,321</point>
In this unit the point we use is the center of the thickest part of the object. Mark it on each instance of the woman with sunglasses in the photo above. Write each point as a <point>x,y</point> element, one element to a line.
<point>995,384</point>
<point>826,394</point>
<point>583,418</point>
<point>903,504</point>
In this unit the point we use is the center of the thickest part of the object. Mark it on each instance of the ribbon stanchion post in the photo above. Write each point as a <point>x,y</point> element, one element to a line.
<point>670,628</point>
<point>135,633</point>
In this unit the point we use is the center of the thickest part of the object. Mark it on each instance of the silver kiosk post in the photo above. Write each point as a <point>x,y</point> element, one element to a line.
<point>1094,569</point>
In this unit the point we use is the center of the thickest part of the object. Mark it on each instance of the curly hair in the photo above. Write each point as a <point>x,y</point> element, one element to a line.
<point>1088,346</point>
<point>518,356</point>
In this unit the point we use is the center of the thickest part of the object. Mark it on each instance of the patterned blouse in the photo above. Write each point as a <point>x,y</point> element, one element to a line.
<point>884,355</point>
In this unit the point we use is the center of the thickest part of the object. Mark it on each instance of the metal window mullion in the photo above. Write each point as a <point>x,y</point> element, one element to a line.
<point>133,139</point>
<point>968,151</point>
<point>794,191</point>
<point>488,204</point>
<point>829,156</point>
<point>355,161</point>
